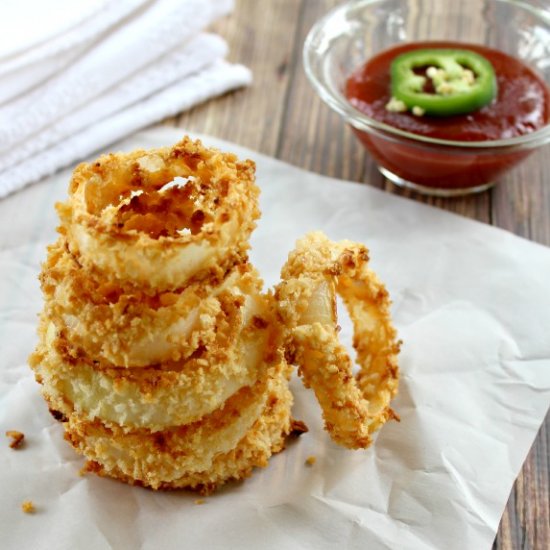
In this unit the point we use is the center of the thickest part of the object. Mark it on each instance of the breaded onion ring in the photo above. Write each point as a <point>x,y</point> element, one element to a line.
<point>155,459</point>
<point>130,328</point>
<point>353,406</point>
<point>266,437</point>
<point>126,218</point>
<point>156,397</point>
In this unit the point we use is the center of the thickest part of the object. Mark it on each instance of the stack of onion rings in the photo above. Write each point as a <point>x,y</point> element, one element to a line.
<point>157,349</point>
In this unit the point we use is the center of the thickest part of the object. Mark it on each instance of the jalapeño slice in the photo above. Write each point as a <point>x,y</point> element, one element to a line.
<point>443,82</point>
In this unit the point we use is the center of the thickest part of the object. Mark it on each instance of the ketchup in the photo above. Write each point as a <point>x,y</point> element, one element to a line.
<point>522,106</point>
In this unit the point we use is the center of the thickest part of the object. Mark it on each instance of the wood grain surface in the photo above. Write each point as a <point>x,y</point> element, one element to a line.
<point>280,115</point>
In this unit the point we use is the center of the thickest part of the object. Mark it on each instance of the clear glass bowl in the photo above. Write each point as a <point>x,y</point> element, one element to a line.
<point>349,35</point>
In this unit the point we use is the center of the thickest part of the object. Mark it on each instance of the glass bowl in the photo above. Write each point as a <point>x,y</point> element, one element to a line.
<point>350,34</point>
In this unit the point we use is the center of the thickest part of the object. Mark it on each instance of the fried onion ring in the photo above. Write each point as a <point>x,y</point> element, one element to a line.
<point>266,437</point>
<point>164,457</point>
<point>129,217</point>
<point>353,406</point>
<point>157,397</point>
<point>129,328</point>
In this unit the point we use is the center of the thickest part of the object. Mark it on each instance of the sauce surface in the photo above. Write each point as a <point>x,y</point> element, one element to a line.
<point>522,104</point>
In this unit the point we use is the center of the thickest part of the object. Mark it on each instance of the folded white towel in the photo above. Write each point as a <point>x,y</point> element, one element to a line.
<point>184,60</point>
<point>126,64</point>
<point>26,59</point>
<point>214,80</point>
<point>34,22</point>
<point>155,31</point>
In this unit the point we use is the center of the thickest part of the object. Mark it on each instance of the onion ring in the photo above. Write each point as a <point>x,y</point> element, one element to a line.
<point>266,437</point>
<point>163,457</point>
<point>353,406</point>
<point>129,328</point>
<point>126,218</point>
<point>157,397</point>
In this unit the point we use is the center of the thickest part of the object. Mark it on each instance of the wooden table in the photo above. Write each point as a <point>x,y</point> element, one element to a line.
<point>281,116</point>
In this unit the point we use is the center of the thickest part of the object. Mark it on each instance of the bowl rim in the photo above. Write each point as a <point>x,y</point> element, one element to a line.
<point>363,122</point>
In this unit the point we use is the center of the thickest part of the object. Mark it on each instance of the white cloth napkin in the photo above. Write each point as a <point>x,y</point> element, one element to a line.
<point>33,23</point>
<point>214,80</point>
<point>34,48</point>
<point>146,60</point>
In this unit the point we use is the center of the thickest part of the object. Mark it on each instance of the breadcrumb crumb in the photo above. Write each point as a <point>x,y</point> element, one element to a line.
<point>200,501</point>
<point>28,507</point>
<point>311,460</point>
<point>16,438</point>
<point>297,428</point>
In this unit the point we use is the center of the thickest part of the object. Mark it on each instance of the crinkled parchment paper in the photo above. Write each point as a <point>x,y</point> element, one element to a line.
<point>472,305</point>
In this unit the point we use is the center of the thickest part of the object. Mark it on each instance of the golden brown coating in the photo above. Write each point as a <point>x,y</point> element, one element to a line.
<point>227,444</point>
<point>353,406</point>
<point>126,218</point>
<point>169,394</point>
<point>266,437</point>
<point>130,328</point>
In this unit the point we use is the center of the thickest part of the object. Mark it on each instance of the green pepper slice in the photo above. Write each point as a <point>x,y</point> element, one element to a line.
<point>462,81</point>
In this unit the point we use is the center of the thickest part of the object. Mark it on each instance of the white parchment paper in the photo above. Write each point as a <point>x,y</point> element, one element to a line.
<point>472,305</point>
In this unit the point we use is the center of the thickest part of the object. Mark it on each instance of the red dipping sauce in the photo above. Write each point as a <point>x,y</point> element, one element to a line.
<point>521,107</point>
